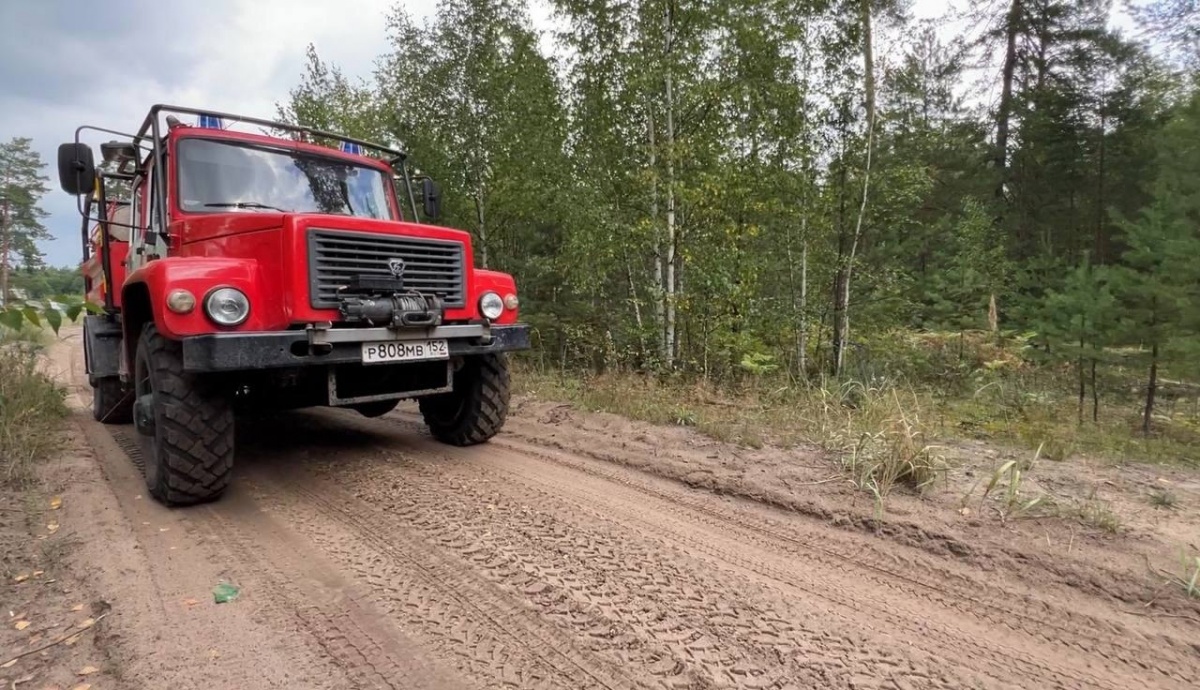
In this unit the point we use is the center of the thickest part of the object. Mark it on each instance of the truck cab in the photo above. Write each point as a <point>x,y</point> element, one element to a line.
<point>241,270</point>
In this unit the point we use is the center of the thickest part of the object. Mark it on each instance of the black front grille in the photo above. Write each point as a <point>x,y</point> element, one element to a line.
<point>430,266</point>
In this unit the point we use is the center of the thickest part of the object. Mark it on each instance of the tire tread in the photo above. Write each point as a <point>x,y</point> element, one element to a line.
<point>195,429</point>
<point>477,408</point>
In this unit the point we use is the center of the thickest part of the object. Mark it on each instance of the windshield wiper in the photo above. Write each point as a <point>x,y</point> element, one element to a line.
<point>245,204</point>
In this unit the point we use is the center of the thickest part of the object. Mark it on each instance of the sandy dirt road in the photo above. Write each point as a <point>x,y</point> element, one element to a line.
<point>369,556</point>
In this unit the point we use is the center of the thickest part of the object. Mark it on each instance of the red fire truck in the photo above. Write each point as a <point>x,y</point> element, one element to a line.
<point>242,269</point>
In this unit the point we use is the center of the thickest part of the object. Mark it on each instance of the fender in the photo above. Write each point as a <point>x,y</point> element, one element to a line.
<point>145,297</point>
<point>495,281</point>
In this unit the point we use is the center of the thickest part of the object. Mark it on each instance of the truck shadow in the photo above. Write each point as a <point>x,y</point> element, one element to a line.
<point>302,438</point>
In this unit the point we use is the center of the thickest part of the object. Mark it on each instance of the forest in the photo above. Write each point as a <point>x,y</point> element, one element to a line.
<point>787,193</point>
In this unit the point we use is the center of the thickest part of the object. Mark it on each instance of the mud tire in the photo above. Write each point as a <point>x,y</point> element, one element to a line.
<point>476,409</point>
<point>189,457</point>
<point>112,401</point>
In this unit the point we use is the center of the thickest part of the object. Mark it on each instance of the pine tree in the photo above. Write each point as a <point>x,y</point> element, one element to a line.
<point>1157,288</point>
<point>1158,283</point>
<point>1079,319</point>
<point>22,186</point>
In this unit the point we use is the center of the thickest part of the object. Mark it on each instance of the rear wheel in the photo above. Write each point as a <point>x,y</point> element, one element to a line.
<point>477,407</point>
<point>185,425</point>
<point>112,401</point>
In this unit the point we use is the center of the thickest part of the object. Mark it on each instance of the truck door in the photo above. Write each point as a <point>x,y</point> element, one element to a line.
<point>145,241</point>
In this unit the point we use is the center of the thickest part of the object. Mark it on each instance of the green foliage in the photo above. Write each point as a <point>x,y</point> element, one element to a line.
<point>1158,282</point>
<point>47,282</point>
<point>16,315</point>
<point>698,169</point>
<point>31,408</point>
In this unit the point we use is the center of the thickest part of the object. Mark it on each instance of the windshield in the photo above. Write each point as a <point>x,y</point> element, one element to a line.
<point>217,176</point>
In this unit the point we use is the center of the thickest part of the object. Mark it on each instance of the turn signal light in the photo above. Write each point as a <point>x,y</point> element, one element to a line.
<point>181,301</point>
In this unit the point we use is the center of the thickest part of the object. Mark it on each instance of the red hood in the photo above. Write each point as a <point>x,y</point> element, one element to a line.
<point>212,226</point>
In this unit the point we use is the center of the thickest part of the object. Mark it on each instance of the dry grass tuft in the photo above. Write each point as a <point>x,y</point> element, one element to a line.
<point>31,408</point>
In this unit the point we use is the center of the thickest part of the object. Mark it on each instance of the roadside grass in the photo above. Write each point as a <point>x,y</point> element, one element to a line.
<point>885,432</point>
<point>1189,581</point>
<point>930,387</point>
<point>1164,498</point>
<point>876,432</point>
<point>1008,485</point>
<point>32,406</point>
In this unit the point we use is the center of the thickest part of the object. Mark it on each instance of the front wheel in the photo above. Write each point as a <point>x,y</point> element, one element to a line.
<point>476,409</point>
<point>185,425</point>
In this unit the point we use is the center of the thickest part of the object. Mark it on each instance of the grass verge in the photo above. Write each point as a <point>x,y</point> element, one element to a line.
<point>31,407</point>
<point>876,433</point>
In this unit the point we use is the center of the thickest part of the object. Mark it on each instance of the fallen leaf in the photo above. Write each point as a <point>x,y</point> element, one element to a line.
<point>52,527</point>
<point>88,670</point>
<point>964,511</point>
<point>21,578</point>
<point>190,602</point>
<point>163,529</point>
<point>21,625</point>
<point>83,686</point>
<point>87,623</point>
<point>55,502</point>
<point>38,573</point>
<point>214,654</point>
<point>9,664</point>
<point>77,607</point>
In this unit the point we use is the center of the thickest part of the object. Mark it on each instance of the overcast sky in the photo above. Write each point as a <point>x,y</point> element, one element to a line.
<point>64,63</point>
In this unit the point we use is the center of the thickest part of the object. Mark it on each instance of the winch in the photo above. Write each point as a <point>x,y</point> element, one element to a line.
<point>381,301</point>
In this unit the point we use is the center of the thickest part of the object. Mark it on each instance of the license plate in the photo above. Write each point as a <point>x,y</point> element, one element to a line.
<point>404,351</point>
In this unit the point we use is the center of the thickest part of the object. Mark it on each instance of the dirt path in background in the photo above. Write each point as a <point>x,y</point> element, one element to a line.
<point>370,556</point>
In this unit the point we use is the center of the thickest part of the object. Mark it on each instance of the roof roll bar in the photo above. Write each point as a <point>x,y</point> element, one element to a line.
<point>149,128</point>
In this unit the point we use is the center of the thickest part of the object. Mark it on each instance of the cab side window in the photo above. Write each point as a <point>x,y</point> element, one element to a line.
<point>153,225</point>
<point>137,234</point>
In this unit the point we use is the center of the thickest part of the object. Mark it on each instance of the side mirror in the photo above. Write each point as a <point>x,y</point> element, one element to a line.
<point>431,197</point>
<point>76,169</point>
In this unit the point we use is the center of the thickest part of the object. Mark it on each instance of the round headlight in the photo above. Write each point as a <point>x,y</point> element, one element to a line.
<point>490,305</point>
<point>227,306</point>
<point>181,301</point>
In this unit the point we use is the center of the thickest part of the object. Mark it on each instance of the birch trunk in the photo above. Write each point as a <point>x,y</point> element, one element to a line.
<point>659,293</point>
<point>843,338</point>
<point>482,225</point>
<point>671,230</point>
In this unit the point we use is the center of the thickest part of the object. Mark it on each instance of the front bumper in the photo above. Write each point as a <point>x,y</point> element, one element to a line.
<point>295,349</point>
